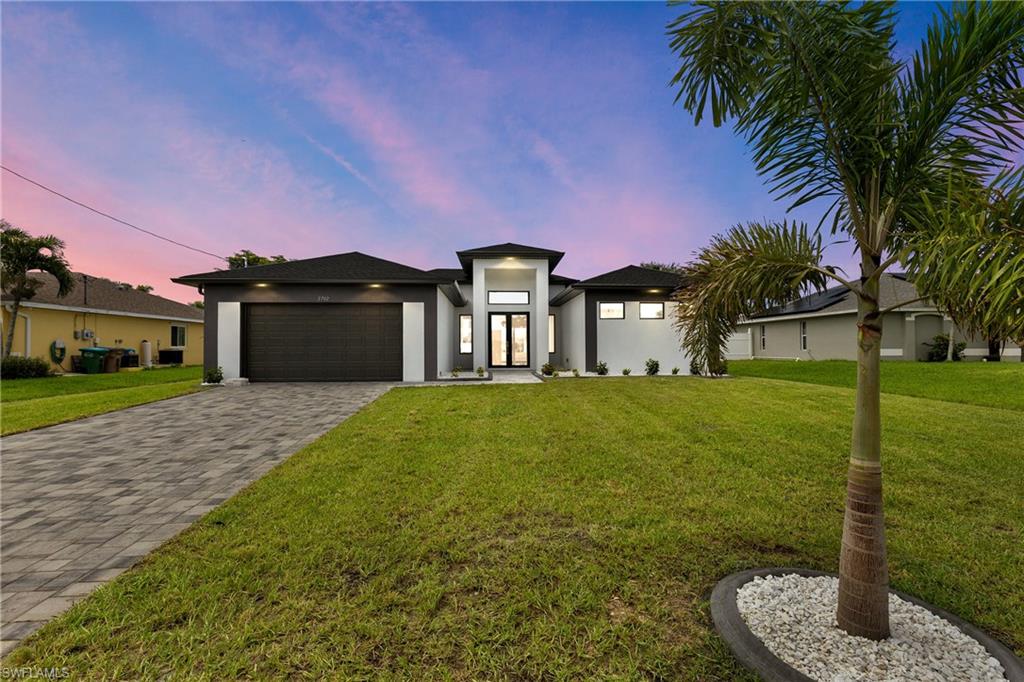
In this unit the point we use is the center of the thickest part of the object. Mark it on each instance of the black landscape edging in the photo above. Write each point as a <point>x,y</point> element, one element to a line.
<point>750,651</point>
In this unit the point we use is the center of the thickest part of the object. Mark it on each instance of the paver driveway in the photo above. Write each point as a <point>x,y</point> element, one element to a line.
<point>81,502</point>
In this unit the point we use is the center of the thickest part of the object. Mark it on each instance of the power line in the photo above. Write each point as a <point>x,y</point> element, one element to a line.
<point>107,215</point>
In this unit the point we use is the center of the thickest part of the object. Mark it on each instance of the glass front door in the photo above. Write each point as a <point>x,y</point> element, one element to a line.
<point>510,339</point>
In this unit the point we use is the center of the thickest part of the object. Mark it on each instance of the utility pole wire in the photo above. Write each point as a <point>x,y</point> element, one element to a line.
<point>107,215</point>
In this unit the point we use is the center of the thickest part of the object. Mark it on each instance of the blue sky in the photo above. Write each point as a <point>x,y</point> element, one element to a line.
<point>407,131</point>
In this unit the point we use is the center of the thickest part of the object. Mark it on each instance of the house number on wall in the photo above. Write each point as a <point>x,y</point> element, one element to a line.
<point>323,299</point>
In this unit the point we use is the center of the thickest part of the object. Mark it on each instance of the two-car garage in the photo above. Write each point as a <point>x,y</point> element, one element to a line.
<point>322,341</point>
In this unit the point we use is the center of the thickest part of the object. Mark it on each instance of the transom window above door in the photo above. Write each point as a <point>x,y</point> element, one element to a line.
<point>508,297</point>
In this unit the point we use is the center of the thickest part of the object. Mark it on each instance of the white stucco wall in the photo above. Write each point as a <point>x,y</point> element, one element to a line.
<point>511,274</point>
<point>631,341</point>
<point>574,341</point>
<point>412,342</point>
<point>229,338</point>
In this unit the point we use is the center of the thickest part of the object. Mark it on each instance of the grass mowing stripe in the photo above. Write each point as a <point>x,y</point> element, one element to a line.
<point>24,415</point>
<point>12,390</point>
<point>992,384</point>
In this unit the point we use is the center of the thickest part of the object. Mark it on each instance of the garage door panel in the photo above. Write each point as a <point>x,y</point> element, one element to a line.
<point>324,342</point>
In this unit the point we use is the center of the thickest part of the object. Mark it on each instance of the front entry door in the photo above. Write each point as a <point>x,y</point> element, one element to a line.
<point>510,339</point>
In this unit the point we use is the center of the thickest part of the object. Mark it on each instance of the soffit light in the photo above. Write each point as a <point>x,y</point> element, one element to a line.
<point>262,284</point>
<point>376,286</point>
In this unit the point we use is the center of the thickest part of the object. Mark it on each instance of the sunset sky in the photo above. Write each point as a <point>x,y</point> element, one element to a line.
<point>407,131</point>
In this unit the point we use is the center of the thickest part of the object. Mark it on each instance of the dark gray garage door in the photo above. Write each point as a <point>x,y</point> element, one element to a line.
<point>323,342</point>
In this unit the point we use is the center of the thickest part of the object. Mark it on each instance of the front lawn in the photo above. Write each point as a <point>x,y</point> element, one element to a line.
<point>565,530</point>
<point>34,403</point>
<point>995,384</point>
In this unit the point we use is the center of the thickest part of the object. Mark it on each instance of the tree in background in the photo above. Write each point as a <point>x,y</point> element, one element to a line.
<point>20,255</point>
<point>666,267</point>
<point>246,258</point>
<point>831,114</point>
<point>198,304</point>
<point>144,288</point>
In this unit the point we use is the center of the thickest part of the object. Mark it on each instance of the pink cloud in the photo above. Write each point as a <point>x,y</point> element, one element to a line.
<point>419,168</point>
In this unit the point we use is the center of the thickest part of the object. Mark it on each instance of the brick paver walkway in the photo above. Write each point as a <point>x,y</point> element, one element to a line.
<point>82,502</point>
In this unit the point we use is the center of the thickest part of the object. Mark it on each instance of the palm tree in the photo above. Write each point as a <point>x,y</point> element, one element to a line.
<point>21,254</point>
<point>831,114</point>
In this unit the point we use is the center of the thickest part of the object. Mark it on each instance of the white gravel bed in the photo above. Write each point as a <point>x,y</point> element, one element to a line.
<point>795,617</point>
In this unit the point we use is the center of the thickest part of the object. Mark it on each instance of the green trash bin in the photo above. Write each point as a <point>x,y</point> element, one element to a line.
<point>92,359</point>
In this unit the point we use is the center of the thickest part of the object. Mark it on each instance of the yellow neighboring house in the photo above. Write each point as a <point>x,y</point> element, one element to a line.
<point>99,312</point>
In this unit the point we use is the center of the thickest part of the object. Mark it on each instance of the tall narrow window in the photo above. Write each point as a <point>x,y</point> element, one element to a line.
<point>803,335</point>
<point>465,334</point>
<point>763,339</point>
<point>177,336</point>
<point>551,333</point>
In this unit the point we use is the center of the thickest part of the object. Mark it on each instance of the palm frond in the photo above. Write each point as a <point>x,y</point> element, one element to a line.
<point>962,101</point>
<point>811,87</point>
<point>968,256</point>
<point>748,270</point>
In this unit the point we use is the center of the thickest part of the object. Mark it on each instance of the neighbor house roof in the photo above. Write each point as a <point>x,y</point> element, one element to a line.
<point>343,268</point>
<point>509,250</point>
<point>98,294</point>
<point>632,277</point>
<point>892,289</point>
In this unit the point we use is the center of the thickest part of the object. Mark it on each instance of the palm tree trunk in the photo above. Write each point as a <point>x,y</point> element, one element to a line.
<point>10,329</point>
<point>951,344</point>
<point>863,569</point>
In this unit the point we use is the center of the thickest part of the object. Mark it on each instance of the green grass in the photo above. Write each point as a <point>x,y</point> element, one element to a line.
<point>34,403</point>
<point>558,531</point>
<point>12,390</point>
<point>993,384</point>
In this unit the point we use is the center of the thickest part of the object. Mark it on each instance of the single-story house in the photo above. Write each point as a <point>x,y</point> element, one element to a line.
<point>352,316</point>
<point>100,312</point>
<point>823,326</point>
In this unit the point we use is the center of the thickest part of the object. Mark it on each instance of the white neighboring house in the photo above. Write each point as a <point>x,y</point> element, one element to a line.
<point>823,326</point>
<point>354,317</point>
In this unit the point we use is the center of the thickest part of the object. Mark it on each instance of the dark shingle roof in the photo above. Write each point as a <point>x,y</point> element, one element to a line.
<point>451,274</point>
<point>632,277</point>
<point>892,289</point>
<point>509,250</point>
<point>461,276</point>
<point>353,267</point>
<point>96,293</point>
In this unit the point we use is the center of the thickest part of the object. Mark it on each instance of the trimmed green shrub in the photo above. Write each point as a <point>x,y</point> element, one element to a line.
<point>480,371</point>
<point>939,347</point>
<point>214,376</point>
<point>626,371</point>
<point>652,367</point>
<point>675,370</point>
<point>576,373</point>
<point>24,368</point>
<point>547,369</point>
<point>602,368</point>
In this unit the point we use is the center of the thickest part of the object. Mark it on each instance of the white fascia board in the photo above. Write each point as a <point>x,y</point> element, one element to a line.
<point>826,313</point>
<point>102,311</point>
